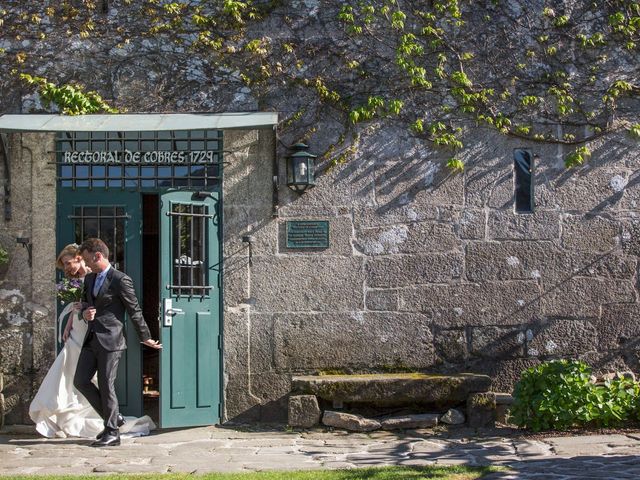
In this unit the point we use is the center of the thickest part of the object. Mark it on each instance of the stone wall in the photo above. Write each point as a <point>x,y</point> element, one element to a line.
<point>431,271</point>
<point>27,300</point>
<point>426,269</point>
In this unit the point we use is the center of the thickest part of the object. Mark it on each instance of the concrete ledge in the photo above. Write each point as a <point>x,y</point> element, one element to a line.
<point>393,389</point>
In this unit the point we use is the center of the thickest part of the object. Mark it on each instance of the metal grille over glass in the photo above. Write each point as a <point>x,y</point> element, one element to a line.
<point>106,223</point>
<point>523,182</point>
<point>139,160</point>
<point>189,252</point>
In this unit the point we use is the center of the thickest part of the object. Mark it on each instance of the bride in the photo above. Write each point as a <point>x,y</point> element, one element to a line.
<point>58,409</point>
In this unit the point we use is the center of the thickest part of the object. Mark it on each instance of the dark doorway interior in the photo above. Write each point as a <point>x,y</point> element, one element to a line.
<point>150,303</point>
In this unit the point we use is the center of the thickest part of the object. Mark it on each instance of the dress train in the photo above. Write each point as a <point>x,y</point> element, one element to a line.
<point>59,410</point>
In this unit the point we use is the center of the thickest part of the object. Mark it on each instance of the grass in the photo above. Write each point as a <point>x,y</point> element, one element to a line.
<point>382,473</point>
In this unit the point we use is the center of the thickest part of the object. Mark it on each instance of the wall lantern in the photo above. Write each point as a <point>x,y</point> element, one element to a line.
<point>301,168</point>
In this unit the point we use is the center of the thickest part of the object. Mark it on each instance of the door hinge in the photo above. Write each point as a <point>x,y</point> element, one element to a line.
<point>219,342</point>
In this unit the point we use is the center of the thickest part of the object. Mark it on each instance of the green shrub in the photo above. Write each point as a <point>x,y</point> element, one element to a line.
<point>559,394</point>
<point>616,401</point>
<point>4,256</point>
<point>551,395</point>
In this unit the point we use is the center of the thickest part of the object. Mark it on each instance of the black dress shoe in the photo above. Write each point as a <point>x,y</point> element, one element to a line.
<point>107,440</point>
<point>119,422</point>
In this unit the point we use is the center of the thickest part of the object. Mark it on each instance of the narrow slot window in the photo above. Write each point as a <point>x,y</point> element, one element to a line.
<point>523,173</point>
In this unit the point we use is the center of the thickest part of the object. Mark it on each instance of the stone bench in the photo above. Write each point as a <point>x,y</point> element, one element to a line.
<point>438,392</point>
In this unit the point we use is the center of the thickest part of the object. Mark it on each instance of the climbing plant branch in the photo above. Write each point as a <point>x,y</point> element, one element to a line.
<point>550,73</point>
<point>70,99</point>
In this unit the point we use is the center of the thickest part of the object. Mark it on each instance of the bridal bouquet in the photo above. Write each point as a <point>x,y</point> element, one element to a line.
<point>69,290</point>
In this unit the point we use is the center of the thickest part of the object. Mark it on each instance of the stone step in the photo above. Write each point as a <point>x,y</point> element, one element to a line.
<point>393,389</point>
<point>504,398</point>
<point>504,401</point>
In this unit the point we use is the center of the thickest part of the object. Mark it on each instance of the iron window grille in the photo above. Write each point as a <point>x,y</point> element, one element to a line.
<point>104,222</point>
<point>201,149</point>
<point>189,249</point>
<point>523,165</point>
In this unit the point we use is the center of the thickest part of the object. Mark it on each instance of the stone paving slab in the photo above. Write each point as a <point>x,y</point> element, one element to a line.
<point>215,449</point>
<point>124,469</point>
<point>591,445</point>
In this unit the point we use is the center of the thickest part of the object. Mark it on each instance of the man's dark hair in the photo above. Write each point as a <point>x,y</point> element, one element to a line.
<point>95,245</point>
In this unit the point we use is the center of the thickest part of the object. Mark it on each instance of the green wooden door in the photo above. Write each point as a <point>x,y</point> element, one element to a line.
<point>113,216</point>
<point>190,327</point>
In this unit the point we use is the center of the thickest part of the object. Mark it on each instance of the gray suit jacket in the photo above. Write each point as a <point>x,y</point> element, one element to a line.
<point>116,296</point>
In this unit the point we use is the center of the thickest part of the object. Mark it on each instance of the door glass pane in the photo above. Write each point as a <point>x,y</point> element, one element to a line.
<point>98,171</point>
<point>91,228</point>
<point>77,231</point>
<point>97,146</point>
<point>147,146</point>
<point>118,253</point>
<point>189,249</point>
<point>107,233</point>
<point>106,223</point>
<point>82,171</point>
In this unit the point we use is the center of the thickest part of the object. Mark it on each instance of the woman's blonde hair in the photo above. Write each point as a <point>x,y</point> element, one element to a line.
<point>71,250</point>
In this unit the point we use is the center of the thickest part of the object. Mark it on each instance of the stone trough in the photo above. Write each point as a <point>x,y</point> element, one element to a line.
<point>435,392</point>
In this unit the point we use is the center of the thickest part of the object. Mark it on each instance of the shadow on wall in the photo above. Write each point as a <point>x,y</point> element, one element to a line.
<point>545,338</point>
<point>271,411</point>
<point>495,346</point>
<point>401,169</point>
<point>400,179</point>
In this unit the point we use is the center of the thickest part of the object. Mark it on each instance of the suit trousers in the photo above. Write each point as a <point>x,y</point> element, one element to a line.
<point>94,358</point>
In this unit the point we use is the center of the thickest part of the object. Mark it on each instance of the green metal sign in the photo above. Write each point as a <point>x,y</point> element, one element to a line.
<point>308,234</point>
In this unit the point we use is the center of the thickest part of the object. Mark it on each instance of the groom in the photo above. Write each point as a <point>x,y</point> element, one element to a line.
<point>108,294</point>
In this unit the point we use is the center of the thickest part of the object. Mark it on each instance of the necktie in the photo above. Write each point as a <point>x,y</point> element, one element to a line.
<point>98,284</point>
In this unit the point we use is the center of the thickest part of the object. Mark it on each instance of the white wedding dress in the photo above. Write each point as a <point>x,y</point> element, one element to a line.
<point>59,410</point>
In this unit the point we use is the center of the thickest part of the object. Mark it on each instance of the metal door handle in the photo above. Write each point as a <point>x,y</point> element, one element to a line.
<point>169,312</point>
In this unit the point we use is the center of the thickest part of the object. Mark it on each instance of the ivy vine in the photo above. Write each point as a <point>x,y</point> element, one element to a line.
<point>70,99</point>
<point>563,74</point>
